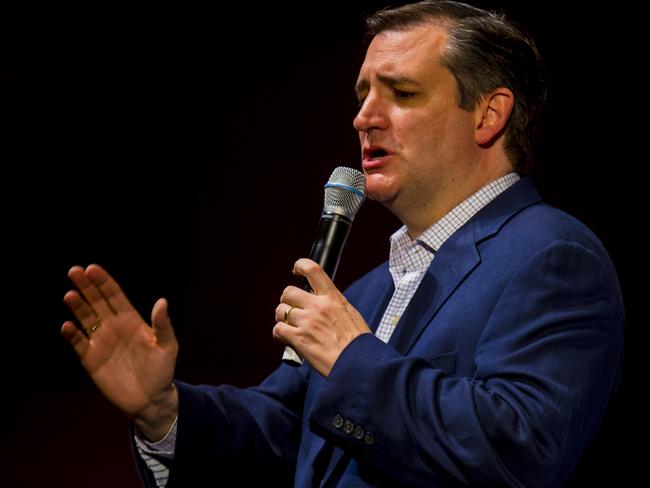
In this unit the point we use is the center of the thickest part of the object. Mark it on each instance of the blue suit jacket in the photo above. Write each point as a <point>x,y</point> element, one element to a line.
<point>497,373</point>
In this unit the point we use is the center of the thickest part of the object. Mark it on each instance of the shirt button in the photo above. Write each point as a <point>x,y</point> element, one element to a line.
<point>337,422</point>
<point>348,427</point>
<point>369,438</point>
<point>358,432</point>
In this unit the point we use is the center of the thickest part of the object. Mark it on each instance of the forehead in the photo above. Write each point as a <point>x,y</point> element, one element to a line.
<point>413,51</point>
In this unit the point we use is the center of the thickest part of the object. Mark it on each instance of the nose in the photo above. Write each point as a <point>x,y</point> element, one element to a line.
<point>371,115</point>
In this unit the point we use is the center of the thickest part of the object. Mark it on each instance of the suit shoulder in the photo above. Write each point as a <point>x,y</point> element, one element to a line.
<point>542,223</point>
<point>541,228</point>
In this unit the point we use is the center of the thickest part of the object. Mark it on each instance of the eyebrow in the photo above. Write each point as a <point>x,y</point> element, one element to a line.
<point>387,80</point>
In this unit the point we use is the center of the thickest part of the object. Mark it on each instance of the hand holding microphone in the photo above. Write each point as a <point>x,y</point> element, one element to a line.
<point>344,194</point>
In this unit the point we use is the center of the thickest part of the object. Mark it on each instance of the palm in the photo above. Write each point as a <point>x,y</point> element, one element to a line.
<point>130,362</point>
<point>127,363</point>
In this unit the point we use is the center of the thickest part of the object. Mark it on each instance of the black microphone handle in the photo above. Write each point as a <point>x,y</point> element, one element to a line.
<point>333,230</point>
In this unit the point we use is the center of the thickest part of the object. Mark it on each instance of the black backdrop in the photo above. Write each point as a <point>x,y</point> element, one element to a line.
<point>186,152</point>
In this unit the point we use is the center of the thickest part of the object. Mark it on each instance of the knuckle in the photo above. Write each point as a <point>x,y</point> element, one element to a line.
<point>323,308</point>
<point>280,331</point>
<point>310,266</point>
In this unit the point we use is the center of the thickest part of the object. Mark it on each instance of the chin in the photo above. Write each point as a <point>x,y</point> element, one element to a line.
<point>380,189</point>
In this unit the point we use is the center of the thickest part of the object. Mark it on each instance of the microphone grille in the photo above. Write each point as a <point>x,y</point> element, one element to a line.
<point>345,191</point>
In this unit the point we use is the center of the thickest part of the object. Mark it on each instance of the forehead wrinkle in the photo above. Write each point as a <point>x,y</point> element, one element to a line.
<point>405,46</point>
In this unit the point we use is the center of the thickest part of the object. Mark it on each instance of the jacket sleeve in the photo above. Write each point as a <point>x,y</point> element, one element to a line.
<point>238,434</point>
<point>546,363</point>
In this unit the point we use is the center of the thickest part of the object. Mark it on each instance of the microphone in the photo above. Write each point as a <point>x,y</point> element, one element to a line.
<point>345,191</point>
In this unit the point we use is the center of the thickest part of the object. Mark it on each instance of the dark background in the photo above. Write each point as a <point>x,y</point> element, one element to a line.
<point>186,153</point>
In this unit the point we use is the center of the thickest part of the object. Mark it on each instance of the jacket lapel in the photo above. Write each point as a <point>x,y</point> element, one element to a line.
<point>449,267</point>
<point>456,259</point>
<point>383,298</point>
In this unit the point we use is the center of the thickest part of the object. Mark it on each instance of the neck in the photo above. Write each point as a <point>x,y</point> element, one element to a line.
<point>418,217</point>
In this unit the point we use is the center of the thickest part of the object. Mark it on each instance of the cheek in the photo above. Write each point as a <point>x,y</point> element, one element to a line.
<point>415,123</point>
<point>434,132</point>
<point>419,139</point>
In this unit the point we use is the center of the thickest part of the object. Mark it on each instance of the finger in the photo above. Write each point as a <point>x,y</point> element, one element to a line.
<point>287,313</point>
<point>90,292</point>
<point>284,333</point>
<point>75,337</point>
<point>292,295</point>
<point>109,288</point>
<point>80,308</point>
<point>318,279</point>
<point>162,325</point>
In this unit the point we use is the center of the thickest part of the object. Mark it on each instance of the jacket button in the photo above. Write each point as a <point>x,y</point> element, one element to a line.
<point>337,421</point>
<point>348,427</point>
<point>358,432</point>
<point>369,438</point>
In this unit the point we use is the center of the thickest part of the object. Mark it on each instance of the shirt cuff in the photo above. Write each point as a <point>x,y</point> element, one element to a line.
<point>164,447</point>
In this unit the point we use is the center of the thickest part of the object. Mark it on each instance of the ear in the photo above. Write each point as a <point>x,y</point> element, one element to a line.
<point>492,114</point>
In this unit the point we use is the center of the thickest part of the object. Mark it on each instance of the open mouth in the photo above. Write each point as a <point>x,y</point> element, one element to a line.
<point>375,153</point>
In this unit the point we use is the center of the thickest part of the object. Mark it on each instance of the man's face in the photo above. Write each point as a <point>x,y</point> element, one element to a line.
<point>416,143</point>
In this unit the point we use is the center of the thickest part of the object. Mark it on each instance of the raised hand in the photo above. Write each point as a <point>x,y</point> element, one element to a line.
<point>129,361</point>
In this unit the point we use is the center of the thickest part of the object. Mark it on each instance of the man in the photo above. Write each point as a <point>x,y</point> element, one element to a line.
<point>483,353</point>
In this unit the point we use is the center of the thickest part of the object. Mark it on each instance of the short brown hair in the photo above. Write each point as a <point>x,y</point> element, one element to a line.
<point>484,52</point>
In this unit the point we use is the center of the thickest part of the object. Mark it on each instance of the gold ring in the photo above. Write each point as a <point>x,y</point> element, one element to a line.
<point>94,326</point>
<point>287,312</point>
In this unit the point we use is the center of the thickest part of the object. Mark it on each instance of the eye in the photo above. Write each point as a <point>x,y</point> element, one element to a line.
<point>402,95</point>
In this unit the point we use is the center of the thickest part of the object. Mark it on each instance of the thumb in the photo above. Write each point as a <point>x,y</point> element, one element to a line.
<point>162,325</point>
